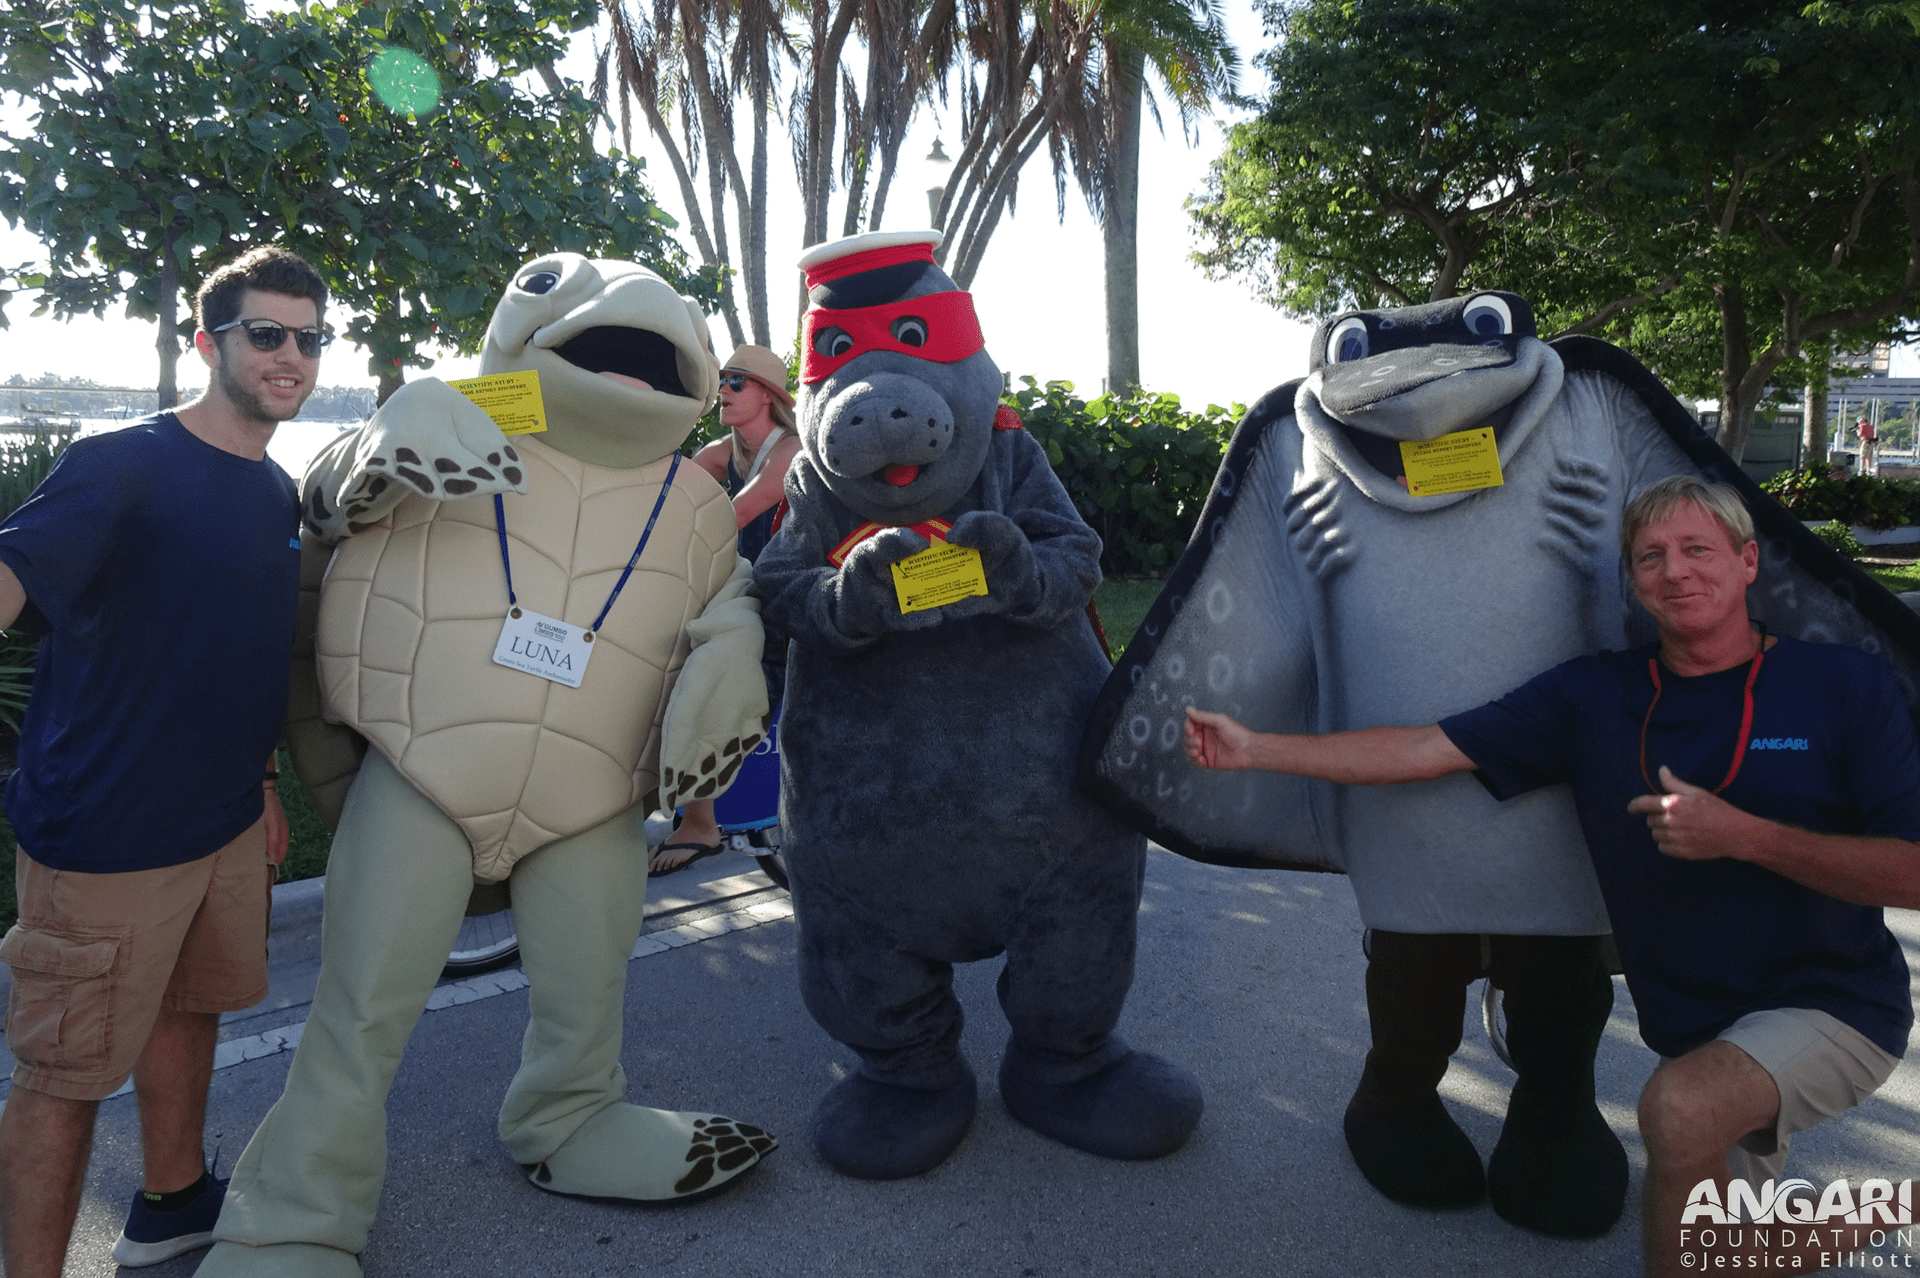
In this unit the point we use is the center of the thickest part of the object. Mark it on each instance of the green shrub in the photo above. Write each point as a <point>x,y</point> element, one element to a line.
<point>1841,538</point>
<point>24,462</point>
<point>1137,467</point>
<point>1812,493</point>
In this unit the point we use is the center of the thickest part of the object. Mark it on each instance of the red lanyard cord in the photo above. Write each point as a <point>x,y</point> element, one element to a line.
<point>1746,720</point>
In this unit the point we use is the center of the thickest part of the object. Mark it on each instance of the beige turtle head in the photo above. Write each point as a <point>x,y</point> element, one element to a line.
<point>626,364</point>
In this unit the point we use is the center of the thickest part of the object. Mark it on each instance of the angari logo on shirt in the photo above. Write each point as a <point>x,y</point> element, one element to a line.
<point>1777,743</point>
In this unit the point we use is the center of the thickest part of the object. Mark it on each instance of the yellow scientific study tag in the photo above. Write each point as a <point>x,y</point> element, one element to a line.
<point>940,574</point>
<point>511,399</point>
<point>1456,463</point>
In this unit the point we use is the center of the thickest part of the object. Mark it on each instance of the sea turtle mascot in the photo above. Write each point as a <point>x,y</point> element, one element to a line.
<point>1428,519</point>
<point>459,550</point>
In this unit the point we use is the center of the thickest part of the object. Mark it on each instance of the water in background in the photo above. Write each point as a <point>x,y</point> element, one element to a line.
<point>293,446</point>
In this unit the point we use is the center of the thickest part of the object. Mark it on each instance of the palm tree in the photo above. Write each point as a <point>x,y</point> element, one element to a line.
<point>1184,42</point>
<point>694,60</point>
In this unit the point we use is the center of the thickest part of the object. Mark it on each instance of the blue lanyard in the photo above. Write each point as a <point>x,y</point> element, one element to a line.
<point>500,517</point>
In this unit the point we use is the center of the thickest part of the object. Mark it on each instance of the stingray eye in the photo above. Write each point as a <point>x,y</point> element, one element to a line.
<point>832,342</point>
<point>909,330</point>
<point>1348,341</point>
<point>1487,316</point>
<point>539,282</point>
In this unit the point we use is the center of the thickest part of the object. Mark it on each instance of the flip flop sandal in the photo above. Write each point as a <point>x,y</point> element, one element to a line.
<point>701,851</point>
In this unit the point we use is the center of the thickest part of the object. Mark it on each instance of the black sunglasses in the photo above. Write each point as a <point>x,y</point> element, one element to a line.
<point>271,335</point>
<point>735,382</point>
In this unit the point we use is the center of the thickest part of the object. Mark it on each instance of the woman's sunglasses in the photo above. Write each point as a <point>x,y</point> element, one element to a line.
<point>735,382</point>
<point>270,335</point>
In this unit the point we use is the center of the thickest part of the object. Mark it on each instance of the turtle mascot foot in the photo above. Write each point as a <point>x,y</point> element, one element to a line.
<point>278,1260</point>
<point>651,1155</point>
<point>512,733</point>
<point>888,1131</point>
<point>933,577</point>
<point>1139,1106</point>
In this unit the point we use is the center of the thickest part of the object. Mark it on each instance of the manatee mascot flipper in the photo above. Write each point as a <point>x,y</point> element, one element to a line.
<point>1321,592</point>
<point>455,549</point>
<point>928,741</point>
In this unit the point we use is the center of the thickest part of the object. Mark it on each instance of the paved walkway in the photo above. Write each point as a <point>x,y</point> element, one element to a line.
<point>1254,980</point>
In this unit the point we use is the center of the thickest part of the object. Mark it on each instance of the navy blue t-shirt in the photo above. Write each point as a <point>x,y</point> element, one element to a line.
<point>1704,943</point>
<point>164,574</point>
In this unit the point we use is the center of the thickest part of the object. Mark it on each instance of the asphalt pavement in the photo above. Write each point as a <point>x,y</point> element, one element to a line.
<point>1253,979</point>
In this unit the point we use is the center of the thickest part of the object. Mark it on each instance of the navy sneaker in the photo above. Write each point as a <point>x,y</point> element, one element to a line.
<point>153,1236</point>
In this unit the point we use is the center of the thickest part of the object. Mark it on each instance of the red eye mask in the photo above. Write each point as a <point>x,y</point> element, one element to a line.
<point>946,329</point>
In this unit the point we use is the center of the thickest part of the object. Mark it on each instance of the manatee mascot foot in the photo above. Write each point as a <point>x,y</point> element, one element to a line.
<point>1402,1138</point>
<point>278,1260</point>
<point>887,1131</point>
<point>1558,1169</point>
<point>1135,1106</point>
<point>651,1155</point>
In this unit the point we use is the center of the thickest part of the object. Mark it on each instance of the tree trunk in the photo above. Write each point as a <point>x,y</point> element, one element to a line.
<point>392,374</point>
<point>1813,425</point>
<point>168,343</point>
<point>1120,230</point>
<point>754,232</point>
<point>1736,402</point>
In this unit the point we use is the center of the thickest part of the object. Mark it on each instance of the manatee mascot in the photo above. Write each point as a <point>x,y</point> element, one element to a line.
<point>1426,521</point>
<point>927,786</point>
<point>525,632</point>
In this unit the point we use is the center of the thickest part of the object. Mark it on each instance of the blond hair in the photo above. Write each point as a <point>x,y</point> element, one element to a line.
<point>1656,501</point>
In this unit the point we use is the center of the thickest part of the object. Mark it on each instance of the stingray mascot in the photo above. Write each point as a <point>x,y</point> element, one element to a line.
<point>927,788</point>
<point>525,632</point>
<point>1340,577</point>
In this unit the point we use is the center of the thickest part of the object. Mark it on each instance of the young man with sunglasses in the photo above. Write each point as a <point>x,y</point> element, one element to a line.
<point>161,565</point>
<point>1745,898</point>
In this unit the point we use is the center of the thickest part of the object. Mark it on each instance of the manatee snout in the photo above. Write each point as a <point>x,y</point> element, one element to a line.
<point>886,422</point>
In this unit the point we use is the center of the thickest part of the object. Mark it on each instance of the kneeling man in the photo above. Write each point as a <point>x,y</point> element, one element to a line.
<point>1750,803</point>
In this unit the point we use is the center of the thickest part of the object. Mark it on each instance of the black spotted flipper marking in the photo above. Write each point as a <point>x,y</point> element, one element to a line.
<point>415,478</point>
<point>720,1144</point>
<point>446,465</point>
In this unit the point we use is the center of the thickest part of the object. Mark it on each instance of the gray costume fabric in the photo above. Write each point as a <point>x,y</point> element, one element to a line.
<point>1319,596</point>
<point>927,785</point>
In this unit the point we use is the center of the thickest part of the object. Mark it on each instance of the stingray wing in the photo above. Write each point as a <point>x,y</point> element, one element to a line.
<point>1228,631</point>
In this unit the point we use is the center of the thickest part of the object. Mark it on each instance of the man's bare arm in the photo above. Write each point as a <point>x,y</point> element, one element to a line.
<point>1693,824</point>
<point>13,597</point>
<point>1370,756</point>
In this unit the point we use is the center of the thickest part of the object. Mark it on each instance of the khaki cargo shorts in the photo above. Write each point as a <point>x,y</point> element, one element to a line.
<point>95,957</point>
<point>1822,1066</point>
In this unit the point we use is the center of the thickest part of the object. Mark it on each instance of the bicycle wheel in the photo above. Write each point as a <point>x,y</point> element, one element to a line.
<point>767,852</point>
<point>485,942</point>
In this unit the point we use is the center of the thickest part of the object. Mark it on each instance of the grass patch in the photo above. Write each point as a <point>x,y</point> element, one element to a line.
<point>1904,577</point>
<point>1123,606</point>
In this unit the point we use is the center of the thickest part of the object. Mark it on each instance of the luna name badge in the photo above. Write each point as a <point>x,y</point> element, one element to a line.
<point>543,646</point>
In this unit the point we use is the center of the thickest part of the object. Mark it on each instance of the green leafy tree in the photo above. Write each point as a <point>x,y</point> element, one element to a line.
<point>169,136</point>
<point>1713,186</point>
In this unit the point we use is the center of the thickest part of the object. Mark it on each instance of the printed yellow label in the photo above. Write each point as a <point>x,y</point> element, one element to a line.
<point>511,399</point>
<point>1456,463</point>
<point>940,574</point>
